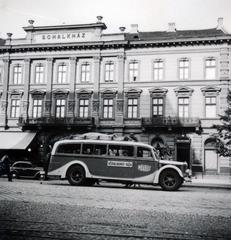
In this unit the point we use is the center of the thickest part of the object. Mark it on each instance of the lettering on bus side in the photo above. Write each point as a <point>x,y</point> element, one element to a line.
<point>119,164</point>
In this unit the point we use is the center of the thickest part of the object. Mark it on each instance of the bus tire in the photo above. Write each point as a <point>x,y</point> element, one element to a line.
<point>170,180</point>
<point>76,175</point>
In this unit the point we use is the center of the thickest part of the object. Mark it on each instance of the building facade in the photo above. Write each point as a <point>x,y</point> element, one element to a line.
<point>166,88</point>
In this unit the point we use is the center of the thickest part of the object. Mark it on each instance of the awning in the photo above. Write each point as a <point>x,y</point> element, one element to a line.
<point>15,140</point>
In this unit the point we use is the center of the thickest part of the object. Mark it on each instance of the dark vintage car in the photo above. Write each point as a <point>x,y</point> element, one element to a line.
<point>25,169</point>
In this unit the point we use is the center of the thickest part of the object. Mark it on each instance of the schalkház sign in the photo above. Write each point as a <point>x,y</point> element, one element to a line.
<point>63,37</point>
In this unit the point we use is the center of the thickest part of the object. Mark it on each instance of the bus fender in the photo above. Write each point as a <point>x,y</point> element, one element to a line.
<point>75,162</point>
<point>157,175</point>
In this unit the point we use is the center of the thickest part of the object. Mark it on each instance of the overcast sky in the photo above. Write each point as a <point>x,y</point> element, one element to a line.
<point>150,15</point>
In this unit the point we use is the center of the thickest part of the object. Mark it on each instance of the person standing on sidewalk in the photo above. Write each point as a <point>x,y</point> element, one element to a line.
<point>5,162</point>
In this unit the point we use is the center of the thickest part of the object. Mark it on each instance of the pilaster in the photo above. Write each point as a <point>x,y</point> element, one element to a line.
<point>25,102</point>
<point>224,63</point>
<point>119,117</point>
<point>4,98</point>
<point>72,79</point>
<point>96,79</point>
<point>49,80</point>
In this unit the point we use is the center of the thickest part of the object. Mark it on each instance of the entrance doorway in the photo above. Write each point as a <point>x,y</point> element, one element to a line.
<point>183,150</point>
<point>211,157</point>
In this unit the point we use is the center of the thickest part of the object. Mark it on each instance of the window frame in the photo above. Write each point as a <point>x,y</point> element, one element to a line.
<point>85,74</point>
<point>39,74</point>
<point>110,72</point>
<point>17,75</point>
<point>210,67</point>
<point>16,107</point>
<point>183,69</point>
<point>158,69</point>
<point>62,77</point>
<point>131,76</point>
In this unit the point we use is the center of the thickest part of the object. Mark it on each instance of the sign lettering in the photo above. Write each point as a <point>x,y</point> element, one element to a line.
<point>119,164</point>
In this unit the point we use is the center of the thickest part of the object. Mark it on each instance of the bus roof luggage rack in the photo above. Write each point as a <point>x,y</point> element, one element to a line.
<point>102,136</point>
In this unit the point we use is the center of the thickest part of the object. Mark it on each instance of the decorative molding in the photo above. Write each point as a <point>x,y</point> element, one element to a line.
<point>133,92</point>
<point>60,91</point>
<point>208,90</point>
<point>16,92</point>
<point>38,92</point>
<point>158,91</point>
<point>183,91</point>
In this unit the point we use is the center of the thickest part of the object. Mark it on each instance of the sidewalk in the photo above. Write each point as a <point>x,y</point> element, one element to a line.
<point>210,182</point>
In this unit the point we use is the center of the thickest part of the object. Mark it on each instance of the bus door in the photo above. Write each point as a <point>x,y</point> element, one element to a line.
<point>120,163</point>
<point>144,164</point>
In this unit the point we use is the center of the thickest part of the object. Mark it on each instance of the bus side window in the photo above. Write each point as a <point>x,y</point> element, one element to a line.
<point>144,152</point>
<point>87,149</point>
<point>100,149</point>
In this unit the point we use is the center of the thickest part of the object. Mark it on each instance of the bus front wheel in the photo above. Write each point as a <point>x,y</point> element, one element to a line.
<point>76,176</point>
<point>170,180</point>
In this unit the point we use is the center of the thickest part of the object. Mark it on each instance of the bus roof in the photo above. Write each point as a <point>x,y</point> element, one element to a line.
<point>131,143</point>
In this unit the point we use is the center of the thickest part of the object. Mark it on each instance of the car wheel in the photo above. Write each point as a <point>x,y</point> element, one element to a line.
<point>170,180</point>
<point>76,175</point>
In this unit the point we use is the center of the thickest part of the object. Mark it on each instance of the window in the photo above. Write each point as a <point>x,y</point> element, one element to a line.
<point>184,69</point>
<point>17,75</point>
<point>88,149</point>
<point>108,108</point>
<point>60,108</point>
<point>39,74</point>
<point>210,68</point>
<point>37,108</point>
<point>158,70</point>
<point>133,71</point>
<point>144,152</point>
<point>109,72</point>
<point>157,106</point>
<point>120,151</point>
<point>210,107</point>
<point>62,73</point>
<point>69,148</point>
<point>83,108</point>
<point>132,107</point>
<point>183,107</point>
<point>85,72</point>
<point>15,108</point>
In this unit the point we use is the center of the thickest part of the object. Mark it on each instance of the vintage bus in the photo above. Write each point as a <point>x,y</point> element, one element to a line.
<point>83,162</point>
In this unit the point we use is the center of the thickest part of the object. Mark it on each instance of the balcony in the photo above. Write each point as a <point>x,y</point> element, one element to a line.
<point>67,122</point>
<point>171,122</point>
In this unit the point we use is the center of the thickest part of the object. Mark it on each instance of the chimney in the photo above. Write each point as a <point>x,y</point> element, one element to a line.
<point>171,27</point>
<point>122,29</point>
<point>99,18</point>
<point>9,35</point>
<point>220,23</point>
<point>134,28</point>
<point>31,22</point>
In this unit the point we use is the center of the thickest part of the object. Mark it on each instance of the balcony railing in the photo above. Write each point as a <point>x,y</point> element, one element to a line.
<point>170,122</point>
<point>51,121</point>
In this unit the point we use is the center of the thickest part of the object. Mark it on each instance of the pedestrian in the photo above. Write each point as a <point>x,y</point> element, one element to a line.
<point>5,162</point>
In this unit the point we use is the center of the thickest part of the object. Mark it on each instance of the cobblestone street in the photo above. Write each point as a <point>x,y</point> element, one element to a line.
<point>56,210</point>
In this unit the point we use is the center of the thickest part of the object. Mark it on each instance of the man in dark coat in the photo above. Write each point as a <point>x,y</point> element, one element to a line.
<point>5,167</point>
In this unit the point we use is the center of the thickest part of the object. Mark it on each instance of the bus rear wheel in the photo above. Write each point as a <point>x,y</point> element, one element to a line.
<point>170,180</point>
<point>76,176</point>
